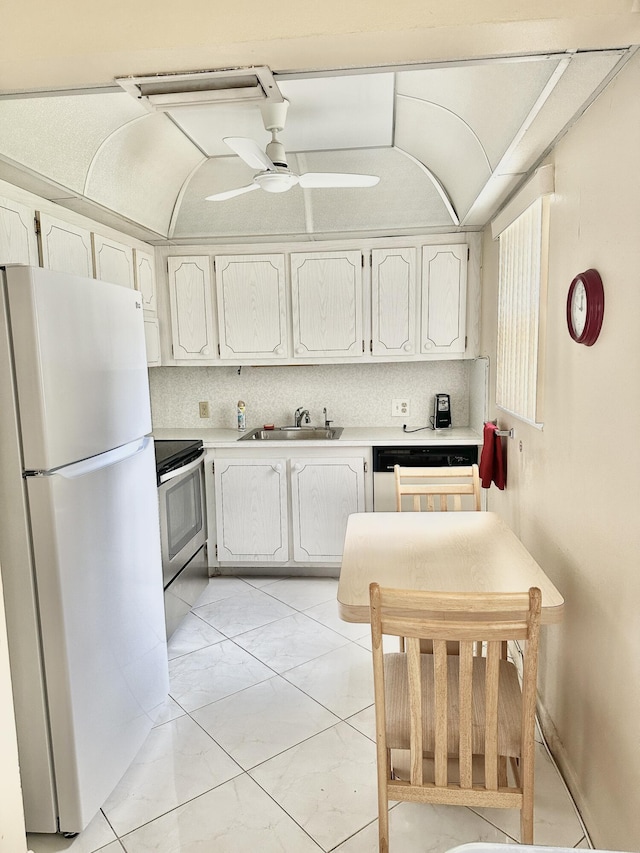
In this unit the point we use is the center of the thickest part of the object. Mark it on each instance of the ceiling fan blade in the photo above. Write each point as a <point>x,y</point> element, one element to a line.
<point>232,193</point>
<point>335,179</point>
<point>250,152</point>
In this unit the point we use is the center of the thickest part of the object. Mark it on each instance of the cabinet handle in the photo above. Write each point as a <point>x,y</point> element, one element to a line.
<point>279,350</point>
<point>407,347</point>
<point>299,349</point>
<point>296,467</point>
<point>277,468</point>
<point>428,345</point>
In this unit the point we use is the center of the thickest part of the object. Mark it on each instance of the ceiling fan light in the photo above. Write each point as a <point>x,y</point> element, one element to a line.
<point>276,182</point>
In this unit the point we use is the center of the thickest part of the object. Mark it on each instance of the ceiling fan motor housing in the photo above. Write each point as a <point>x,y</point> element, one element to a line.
<point>276,153</point>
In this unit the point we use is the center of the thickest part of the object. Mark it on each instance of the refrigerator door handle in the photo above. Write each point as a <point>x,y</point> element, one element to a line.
<point>103,460</point>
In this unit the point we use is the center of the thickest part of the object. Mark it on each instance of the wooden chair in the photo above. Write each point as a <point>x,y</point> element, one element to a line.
<point>406,484</point>
<point>446,724</point>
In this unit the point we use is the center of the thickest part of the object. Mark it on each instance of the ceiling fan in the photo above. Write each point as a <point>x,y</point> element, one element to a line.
<point>274,175</point>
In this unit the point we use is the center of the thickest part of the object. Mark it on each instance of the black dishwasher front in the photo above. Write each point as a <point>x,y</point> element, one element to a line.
<point>422,456</point>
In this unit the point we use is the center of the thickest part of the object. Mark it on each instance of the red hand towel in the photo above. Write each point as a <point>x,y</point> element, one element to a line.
<point>492,464</point>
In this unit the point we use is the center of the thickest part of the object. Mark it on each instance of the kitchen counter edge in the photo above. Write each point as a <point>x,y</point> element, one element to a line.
<point>351,437</point>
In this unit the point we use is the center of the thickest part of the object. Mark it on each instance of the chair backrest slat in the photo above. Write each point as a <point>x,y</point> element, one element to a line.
<point>414,678</point>
<point>465,703</point>
<point>491,715</point>
<point>427,483</point>
<point>441,703</point>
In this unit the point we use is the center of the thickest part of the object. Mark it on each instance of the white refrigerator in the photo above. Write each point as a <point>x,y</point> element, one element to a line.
<point>79,539</point>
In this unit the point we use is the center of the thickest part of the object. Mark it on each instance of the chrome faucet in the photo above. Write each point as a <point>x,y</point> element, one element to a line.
<point>327,422</point>
<point>302,414</point>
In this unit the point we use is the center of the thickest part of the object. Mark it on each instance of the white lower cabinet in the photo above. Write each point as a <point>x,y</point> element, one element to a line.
<point>290,509</point>
<point>251,510</point>
<point>324,493</point>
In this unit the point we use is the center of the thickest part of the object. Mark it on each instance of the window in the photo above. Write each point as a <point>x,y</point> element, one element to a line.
<point>521,307</point>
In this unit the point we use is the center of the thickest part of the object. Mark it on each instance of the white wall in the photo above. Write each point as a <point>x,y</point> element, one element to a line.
<point>571,492</point>
<point>354,394</point>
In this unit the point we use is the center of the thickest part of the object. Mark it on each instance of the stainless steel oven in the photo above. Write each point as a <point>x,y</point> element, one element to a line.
<point>183,525</point>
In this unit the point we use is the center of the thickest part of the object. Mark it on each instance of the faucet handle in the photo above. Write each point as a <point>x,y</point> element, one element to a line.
<point>327,423</point>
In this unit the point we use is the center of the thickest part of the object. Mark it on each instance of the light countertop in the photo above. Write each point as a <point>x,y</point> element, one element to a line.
<point>351,436</point>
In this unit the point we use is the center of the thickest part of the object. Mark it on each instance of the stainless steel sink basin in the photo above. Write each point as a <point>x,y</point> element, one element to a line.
<point>293,434</point>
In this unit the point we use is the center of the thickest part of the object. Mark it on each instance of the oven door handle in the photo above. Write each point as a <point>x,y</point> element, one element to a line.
<point>178,472</point>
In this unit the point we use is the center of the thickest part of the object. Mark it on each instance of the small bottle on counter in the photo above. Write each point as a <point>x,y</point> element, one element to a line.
<point>242,416</point>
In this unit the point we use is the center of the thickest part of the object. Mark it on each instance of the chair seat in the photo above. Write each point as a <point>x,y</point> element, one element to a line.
<point>397,704</point>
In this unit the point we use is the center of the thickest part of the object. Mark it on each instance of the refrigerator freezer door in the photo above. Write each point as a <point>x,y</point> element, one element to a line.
<point>80,365</point>
<point>99,586</point>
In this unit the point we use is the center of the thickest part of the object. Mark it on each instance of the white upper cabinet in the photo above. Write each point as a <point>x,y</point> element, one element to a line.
<point>393,301</point>
<point>252,309</point>
<point>444,298</point>
<point>152,341</point>
<point>18,243</point>
<point>65,247</point>
<point>324,492</point>
<point>144,268</point>
<point>327,304</point>
<point>251,510</point>
<point>113,261</point>
<point>191,308</point>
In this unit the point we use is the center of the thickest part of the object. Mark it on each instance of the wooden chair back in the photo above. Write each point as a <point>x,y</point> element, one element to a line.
<point>446,724</point>
<point>425,484</point>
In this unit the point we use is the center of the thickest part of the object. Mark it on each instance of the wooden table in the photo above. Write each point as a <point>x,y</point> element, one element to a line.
<point>454,551</point>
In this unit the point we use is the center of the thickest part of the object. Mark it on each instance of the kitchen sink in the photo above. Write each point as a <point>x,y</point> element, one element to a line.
<point>293,434</point>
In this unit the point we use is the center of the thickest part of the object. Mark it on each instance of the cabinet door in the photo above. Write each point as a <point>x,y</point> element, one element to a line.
<point>327,303</point>
<point>444,298</point>
<point>393,301</point>
<point>18,243</point>
<point>252,313</point>
<point>251,510</point>
<point>113,261</point>
<point>65,247</point>
<point>144,269</point>
<point>324,492</point>
<point>191,308</point>
<point>152,341</point>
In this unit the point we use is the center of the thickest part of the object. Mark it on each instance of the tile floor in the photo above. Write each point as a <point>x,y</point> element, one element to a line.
<point>267,744</point>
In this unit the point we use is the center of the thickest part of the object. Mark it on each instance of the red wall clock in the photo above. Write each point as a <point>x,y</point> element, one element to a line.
<point>585,307</point>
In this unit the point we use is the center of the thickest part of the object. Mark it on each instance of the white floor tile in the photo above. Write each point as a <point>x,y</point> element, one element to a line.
<point>192,634</point>
<point>327,614</point>
<point>327,784</point>
<point>261,581</point>
<point>177,762</point>
<point>365,722</point>
<point>97,836</point>
<point>290,642</point>
<point>213,673</point>
<point>264,720</point>
<point>170,711</point>
<point>243,612</point>
<point>310,592</point>
<point>219,588</point>
<point>555,822</point>
<point>237,817</point>
<point>419,828</point>
<point>341,680</point>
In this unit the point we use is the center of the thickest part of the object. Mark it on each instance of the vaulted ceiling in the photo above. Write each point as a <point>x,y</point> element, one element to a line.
<point>450,141</point>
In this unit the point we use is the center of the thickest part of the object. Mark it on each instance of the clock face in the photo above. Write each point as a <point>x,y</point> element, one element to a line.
<point>579,308</point>
<point>585,307</point>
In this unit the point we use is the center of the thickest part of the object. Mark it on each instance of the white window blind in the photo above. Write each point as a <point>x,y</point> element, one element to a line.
<point>521,298</point>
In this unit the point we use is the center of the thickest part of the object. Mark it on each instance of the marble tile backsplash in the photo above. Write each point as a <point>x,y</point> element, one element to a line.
<point>355,395</point>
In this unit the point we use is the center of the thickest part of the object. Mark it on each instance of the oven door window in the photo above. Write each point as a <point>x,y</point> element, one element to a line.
<point>184,512</point>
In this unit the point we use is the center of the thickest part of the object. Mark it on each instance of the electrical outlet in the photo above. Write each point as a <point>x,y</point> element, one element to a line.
<point>400,408</point>
<point>203,408</point>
